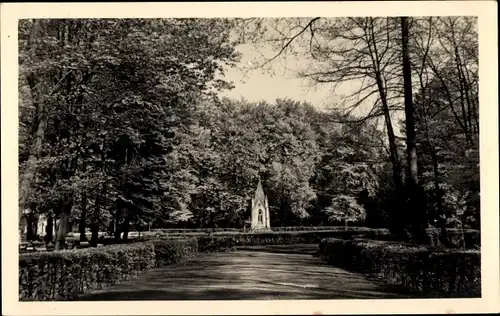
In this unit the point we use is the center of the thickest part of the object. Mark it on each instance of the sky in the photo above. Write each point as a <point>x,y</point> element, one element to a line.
<point>257,85</point>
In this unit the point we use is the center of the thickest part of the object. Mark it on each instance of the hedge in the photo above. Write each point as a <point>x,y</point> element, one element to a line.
<point>195,230</point>
<point>241,230</point>
<point>168,251</point>
<point>220,242</point>
<point>287,235</point>
<point>62,275</point>
<point>451,273</point>
<point>316,228</point>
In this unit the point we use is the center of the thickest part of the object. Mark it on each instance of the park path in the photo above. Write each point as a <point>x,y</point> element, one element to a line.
<point>265,272</point>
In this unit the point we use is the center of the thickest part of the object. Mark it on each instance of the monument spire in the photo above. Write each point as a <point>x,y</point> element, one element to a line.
<point>259,193</point>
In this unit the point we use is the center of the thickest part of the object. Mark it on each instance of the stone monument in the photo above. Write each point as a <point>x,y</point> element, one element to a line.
<point>260,211</point>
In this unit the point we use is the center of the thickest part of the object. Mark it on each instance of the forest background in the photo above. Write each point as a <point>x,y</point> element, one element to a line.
<point>123,124</point>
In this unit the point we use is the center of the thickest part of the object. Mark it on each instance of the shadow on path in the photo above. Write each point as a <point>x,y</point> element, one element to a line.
<point>250,273</point>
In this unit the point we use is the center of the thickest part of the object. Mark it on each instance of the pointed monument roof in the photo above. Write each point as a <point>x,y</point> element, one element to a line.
<point>259,193</point>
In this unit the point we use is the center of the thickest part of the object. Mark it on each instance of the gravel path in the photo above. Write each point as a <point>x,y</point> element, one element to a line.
<point>264,272</point>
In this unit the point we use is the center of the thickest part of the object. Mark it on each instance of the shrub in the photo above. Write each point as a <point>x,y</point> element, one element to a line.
<point>241,230</point>
<point>216,243</point>
<point>290,235</point>
<point>451,273</point>
<point>194,230</point>
<point>168,251</point>
<point>227,242</point>
<point>316,228</point>
<point>62,274</point>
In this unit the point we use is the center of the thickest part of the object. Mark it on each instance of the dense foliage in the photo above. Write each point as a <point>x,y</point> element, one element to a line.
<point>302,163</point>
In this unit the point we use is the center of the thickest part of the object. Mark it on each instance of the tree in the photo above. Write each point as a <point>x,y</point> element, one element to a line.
<point>236,143</point>
<point>415,197</point>
<point>357,51</point>
<point>345,208</point>
<point>380,57</point>
<point>347,177</point>
<point>118,113</point>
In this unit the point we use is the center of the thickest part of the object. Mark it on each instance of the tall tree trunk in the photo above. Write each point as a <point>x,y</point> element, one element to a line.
<point>414,194</point>
<point>126,226</point>
<point>396,217</point>
<point>69,227</point>
<point>35,227</point>
<point>465,119</point>
<point>409,110</point>
<point>94,228</point>
<point>30,229</point>
<point>49,229</point>
<point>117,223</point>
<point>28,174</point>
<point>462,85</point>
<point>61,231</point>
<point>212,219</point>
<point>83,219</point>
<point>63,224</point>
<point>472,98</point>
<point>438,194</point>
<point>56,226</point>
<point>111,227</point>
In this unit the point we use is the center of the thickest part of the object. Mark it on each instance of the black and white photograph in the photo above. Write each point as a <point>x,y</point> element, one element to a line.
<point>307,157</point>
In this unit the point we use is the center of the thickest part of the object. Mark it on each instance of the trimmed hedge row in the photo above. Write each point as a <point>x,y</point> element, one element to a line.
<point>61,275</point>
<point>451,273</point>
<point>241,230</point>
<point>227,242</point>
<point>221,242</point>
<point>316,228</point>
<point>470,239</point>
<point>194,230</point>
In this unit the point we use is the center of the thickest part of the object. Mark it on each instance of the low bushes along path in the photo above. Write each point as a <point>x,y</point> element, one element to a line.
<point>259,272</point>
